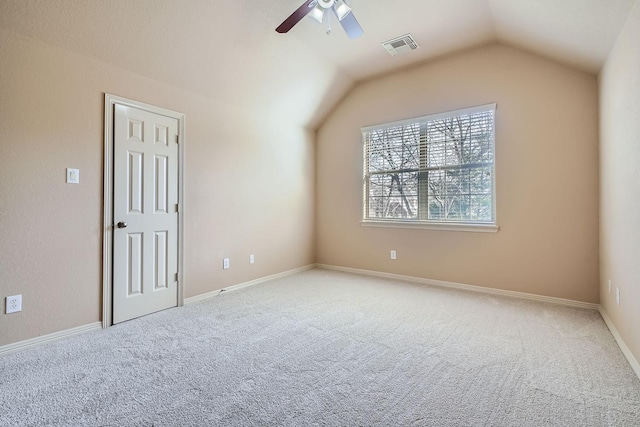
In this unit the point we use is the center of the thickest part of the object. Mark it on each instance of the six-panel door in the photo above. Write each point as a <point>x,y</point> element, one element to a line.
<point>145,242</point>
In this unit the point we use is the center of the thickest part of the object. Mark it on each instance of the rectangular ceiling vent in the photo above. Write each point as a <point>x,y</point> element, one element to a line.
<point>402,44</point>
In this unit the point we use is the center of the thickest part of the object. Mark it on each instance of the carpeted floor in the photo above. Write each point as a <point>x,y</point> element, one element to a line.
<point>331,349</point>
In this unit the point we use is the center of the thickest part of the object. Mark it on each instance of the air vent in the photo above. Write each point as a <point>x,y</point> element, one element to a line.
<point>400,45</point>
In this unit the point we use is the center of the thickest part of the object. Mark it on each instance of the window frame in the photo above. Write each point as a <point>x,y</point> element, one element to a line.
<point>418,223</point>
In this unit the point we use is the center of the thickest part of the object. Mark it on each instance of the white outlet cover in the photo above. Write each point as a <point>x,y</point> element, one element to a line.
<point>225,264</point>
<point>252,259</point>
<point>393,255</point>
<point>14,304</point>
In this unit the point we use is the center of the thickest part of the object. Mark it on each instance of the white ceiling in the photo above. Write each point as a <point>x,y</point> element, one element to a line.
<point>228,50</point>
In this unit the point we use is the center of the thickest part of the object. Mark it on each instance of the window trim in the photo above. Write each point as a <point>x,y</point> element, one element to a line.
<point>432,225</point>
<point>470,226</point>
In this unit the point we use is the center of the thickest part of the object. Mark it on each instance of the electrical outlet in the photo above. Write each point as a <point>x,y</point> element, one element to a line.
<point>225,264</point>
<point>609,285</point>
<point>14,304</point>
<point>618,296</point>
<point>252,259</point>
<point>393,254</point>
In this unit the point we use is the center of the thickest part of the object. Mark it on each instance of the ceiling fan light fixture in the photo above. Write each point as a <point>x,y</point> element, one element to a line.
<point>317,13</point>
<point>341,9</point>
<point>316,9</point>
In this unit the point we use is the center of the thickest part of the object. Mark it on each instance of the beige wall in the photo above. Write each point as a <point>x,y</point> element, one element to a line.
<point>250,181</point>
<point>249,186</point>
<point>546,169</point>
<point>620,183</point>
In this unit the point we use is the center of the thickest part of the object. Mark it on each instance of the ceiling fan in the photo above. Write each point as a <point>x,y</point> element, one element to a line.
<point>321,9</point>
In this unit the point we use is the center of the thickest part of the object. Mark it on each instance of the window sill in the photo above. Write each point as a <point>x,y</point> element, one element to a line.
<point>474,228</point>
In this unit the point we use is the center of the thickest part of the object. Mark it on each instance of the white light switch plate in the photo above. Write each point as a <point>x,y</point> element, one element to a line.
<point>73,176</point>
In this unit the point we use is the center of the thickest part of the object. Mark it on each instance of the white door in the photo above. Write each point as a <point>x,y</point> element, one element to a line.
<point>145,213</point>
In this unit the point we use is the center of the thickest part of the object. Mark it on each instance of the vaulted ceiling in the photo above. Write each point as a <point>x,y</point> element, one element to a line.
<point>227,50</point>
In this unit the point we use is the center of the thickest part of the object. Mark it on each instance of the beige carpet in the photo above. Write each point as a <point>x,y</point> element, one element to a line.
<point>331,349</point>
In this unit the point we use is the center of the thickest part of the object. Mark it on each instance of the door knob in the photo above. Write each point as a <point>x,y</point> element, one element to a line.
<point>122,224</point>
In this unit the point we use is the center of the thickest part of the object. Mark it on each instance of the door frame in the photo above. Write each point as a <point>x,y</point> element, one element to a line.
<point>107,239</point>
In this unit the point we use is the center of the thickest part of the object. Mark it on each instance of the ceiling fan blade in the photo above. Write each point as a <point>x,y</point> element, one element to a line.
<point>297,16</point>
<point>351,26</point>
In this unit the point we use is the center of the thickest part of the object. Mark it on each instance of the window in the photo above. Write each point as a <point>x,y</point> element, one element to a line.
<point>437,169</point>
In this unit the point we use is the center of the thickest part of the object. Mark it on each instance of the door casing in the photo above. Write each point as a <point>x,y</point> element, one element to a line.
<point>107,240</point>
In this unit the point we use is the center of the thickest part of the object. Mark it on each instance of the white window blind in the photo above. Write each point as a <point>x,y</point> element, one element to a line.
<point>432,169</point>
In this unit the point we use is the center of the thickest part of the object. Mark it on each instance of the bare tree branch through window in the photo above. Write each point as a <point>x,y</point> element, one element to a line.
<point>437,168</point>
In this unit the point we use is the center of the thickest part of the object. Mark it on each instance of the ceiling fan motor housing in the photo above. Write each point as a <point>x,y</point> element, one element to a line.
<point>326,4</point>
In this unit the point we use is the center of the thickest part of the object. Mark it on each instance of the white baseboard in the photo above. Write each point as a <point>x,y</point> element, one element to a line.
<point>473,288</point>
<point>46,339</point>
<point>207,295</point>
<point>623,346</point>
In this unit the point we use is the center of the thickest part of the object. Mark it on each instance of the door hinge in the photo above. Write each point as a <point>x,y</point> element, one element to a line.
<point>177,207</point>
<point>176,277</point>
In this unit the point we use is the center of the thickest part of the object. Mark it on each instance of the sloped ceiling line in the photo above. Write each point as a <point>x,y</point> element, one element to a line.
<point>228,49</point>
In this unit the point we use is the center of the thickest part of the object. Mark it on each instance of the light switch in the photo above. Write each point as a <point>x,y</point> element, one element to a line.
<point>73,176</point>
